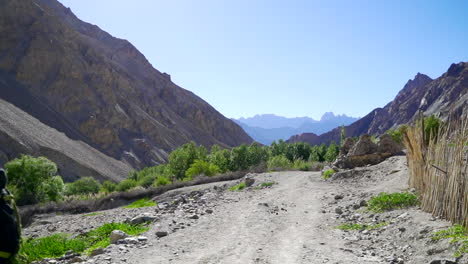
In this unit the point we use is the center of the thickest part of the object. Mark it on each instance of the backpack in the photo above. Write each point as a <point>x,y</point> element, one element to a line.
<point>9,226</point>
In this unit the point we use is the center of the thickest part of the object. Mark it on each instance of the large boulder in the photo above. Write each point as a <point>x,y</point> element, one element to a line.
<point>364,146</point>
<point>388,145</point>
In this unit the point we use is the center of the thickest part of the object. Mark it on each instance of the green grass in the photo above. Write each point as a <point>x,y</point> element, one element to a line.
<point>267,184</point>
<point>389,201</point>
<point>369,227</point>
<point>145,202</point>
<point>93,214</point>
<point>457,234</point>
<point>328,173</point>
<point>57,245</point>
<point>238,187</point>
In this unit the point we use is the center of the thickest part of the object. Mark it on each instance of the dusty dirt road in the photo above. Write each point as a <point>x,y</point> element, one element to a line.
<point>282,224</point>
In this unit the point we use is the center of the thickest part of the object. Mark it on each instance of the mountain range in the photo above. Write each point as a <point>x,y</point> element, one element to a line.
<point>267,128</point>
<point>444,97</point>
<point>78,80</point>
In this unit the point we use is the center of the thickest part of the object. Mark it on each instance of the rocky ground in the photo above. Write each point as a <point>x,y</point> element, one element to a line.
<point>293,221</point>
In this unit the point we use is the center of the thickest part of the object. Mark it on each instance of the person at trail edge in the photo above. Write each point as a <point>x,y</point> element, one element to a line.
<point>10,224</point>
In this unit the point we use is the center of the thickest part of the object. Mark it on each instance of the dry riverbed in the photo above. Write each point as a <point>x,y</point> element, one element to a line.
<point>293,221</point>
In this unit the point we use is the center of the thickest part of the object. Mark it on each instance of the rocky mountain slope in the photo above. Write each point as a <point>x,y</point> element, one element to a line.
<point>21,133</point>
<point>94,87</point>
<point>442,96</point>
<point>267,128</point>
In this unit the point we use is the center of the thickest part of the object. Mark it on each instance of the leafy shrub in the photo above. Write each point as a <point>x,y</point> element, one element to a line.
<point>301,165</point>
<point>108,187</point>
<point>431,128</point>
<point>181,158</point>
<point>279,162</point>
<point>238,187</point>
<point>146,181</point>
<point>85,185</point>
<point>161,181</point>
<point>29,178</point>
<point>200,167</point>
<point>457,234</point>
<point>328,173</point>
<point>54,188</point>
<point>145,202</point>
<point>220,157</point>
<point>239,158</point>
<point>332,152</point>
<point>267,184</point>
<point>397,134</point>
<point>126,185</point>
<point>388,201</point>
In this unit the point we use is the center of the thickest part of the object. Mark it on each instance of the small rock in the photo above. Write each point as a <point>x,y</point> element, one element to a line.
<point>142,238</point>
<point>249,182</point>
<point>161,233</point>
<point>363,203</point>
<point>143,218</point>
<point>116,235</point>
<point>131,240</point>
<point>209,211</point>
<point>76,259</point>
<point>339,197</point>
<point>338,210</point>
<point>194,216</point>
<point>402,229</point>
<point>97,251</point>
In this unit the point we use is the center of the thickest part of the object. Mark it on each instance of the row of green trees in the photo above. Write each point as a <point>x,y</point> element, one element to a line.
<point>35,180</point>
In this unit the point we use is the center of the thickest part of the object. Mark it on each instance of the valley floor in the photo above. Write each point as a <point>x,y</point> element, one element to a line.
<point>293,221</point>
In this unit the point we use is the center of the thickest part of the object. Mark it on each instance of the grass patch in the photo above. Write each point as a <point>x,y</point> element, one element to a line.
<point>267,184</point>
<point>328,173</point>
<point>389,201</point>
<point>57,245</point>
<point>369,227</point>
<point>93,214</point>
<point>238,187</point>
<point>457,234</point>
<point>145,202</point>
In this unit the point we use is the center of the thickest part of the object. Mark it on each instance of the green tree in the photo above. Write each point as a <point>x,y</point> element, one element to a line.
<point>54,188</point>
<point>332,152</point>
<point>181,158</point>
<point>29,178</point>
<point>220,157</point>
<point>200,167</point>
<point>431,128</point>
<point>85,185</point>
<point>108,186</point>
<point>256,154</point>
<point>238,160</point>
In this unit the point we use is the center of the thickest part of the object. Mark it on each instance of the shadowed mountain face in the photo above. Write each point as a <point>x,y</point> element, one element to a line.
<point>442,96</point>
<point>267,128</point>
<point>76,78</point>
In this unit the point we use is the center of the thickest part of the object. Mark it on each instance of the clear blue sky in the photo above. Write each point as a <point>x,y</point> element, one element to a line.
<point>291,58</point>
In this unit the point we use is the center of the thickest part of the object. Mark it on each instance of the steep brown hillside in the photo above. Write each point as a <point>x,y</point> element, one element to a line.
<point>21,133</point>
<point>75,77</point>
<point>442,96</point>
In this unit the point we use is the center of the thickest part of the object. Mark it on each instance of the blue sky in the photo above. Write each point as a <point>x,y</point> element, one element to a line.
<point>290,58</point>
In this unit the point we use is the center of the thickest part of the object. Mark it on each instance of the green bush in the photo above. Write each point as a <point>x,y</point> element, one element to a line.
<point>328,173</point>
<point>29,178</point>
<point>181,158</point>
<point>279,162</point>
<point>431,128</point>
<point>302,165</point>
<point>54,188</point>
<point>458,235</point>
<point>238,187</point>
<point>332,152</point>
<point>239,158</point>
<point>146,181</point>
<point>200,167</point>
<point>53,246</point>
<point>85,185</point>
<point>388,201</point>
<point>161,181</point>
<point>126,185</point>
<point>397,134</point>
<point>220,157</point>
<point>145,202</point>
<point>108,187</point>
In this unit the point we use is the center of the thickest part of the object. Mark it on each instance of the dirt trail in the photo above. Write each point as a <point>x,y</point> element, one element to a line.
<point>282,224</point>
